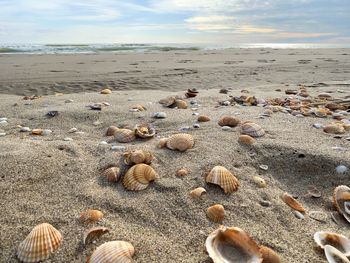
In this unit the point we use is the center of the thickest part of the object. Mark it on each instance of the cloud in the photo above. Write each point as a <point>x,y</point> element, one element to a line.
<point>209,19</point>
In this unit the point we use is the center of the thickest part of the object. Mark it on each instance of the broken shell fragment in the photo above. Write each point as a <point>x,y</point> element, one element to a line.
<point>246,139</point>
<point>113,251</point>
<point>93,233</point>
<point>340,242</point>
<point>224,178</point>
<point>138,177</point>
<point>182,172</point>
<point>144,131</point>
<point>198,192</point>
<point>269,255</point>
<point>229,121</point>
<point>180,142</point>
<point>168,102</point>
<point>90,216</point>
<point>112,174</point>
<point>138,156</point>
<point>292,202</point>
<point>216,213</point>
<point>341,201</point>
<point>333,255</point>
<point>252,129</point>
<point>124,135</point>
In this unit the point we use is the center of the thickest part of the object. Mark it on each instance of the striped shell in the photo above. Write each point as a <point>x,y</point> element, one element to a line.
<point>181,104</point>
<point>111,130</point>
<point>124,135</point>
<point>203,118</point>
<point>144,131</point>
<point>112,174</point>
<point>252,129</point>
<point>113,252</point>
<point>232,244</point>
<point>246,139</point>
<point>292,202</point>
<point>198,192</point>
<point>216,213</point>
<point>269,255</point>
<point>229,121</point>
<point>341,201</point>
<point>94,233</point>
<point>90,216</point>
<point>182,172</point>
<point>138,177</point>
<point>180,142</point>
<point>138,156</point>
<point>43,240</point>
<point>334,129</point>
<point>106,91</point>
<point>342,243</point>
<point>333,255</point>
<point>224,178</point>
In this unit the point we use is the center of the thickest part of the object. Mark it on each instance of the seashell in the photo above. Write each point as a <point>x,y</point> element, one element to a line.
<point>291,92</point>
<point>162,142</point>
<point>180,142</point>
<point>94,233</point>
<point>159,115</point>
<point>268,112</point>
<point>341,200</point>
<point>90,216</point>
<point>43,240</point>
<point>168,102</point>
<point>111,130</point>
<point>144,131</point>
<point>246,139</point>
<point>260,182</point>
<point>124,135</point>
<point>229,121</point>
<point>224,178</point>
<point>252,129</point>
<point>182,172</point>
<point>37,131</point>
<point>334,129</point>
<point>216,213</point>
<point>203,118</point>
<point>269,255</point>
<point>292,202</point>
<point>113,251</point>
<point>106,91</point>
<point>333,255</point>
<point>264,167</point>
<point>138,156</point>
<point>112,174</point>
<point>232,244</point>
<point>191,93</point>
<point>138,177</point>
<point>321,112</point>
<point>181,104</point>
<point>340,242</point>
<point>138,107</point>
<point>198,192</point>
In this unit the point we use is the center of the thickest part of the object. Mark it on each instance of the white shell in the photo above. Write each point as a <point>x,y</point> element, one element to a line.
<point>333,255</point>
<point>342,243</point>
<point>113,252</point>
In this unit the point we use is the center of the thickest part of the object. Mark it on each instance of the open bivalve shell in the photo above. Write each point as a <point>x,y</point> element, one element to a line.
<point>124,135</point>
<point>43,240</point>
<point>333,255</point>
<point>112,174</point>
<point>138,177</point>
<point>232,244</point>
<point>252,129</point>
<point>94,233</point>
<point>144,131</point>
<point>113,251</point>
<point>138,156</point>
<point>180,142</point>
<point>340,242</point>
<point>341,200</point>
<point>224,178</point>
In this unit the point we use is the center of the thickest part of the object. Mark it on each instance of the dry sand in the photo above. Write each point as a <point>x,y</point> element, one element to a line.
<point>46,179</point>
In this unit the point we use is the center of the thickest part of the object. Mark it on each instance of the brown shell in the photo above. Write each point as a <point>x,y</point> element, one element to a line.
<point>198,192</point>
<point>90,216</point>
<point>162,142</point>
<point>138,177</point>
<point>334,129</point>
<point>229,121</point>
<point>168,102</point>
<point>246,139</point>
<point>180,142</point>
<point>138,156</point>
<point>113,252</point>
<point>112,174</point>
<point>341,200</point>
<point>124,135</point>
<point>43,240</point>
<point>216,213</point>
<point>93,233</point>
<point>203,118</point>
<point>181,104</point>
<point>260,182</point>
<point>252,129</point>
<point>106,91</point>
<point>139,107</point>
<point>292,202</point>
<point>269,255</point>
<point>111,130</point>
<point>182,172</point>
<point>37,131</point>
<point>144,131</point>
<point>224,178</point>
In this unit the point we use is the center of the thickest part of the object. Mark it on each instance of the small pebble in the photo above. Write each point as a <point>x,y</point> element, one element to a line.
<point>67,139</point>
<point>195,113</point>
<point>80,132</point>
<point>196,126</point>
<point>25,129</point>
<point>298,214</point>
<point>3,119</point>
<point>69,101</point>
<point>194,109</point>
<point>265,203</point>
<point>73,130</point>
<point>46,132</point>
<point>263,167</point>
<point>103,143</point>
<point>2,133</point>
<point>159,115</point>
<point>3,122</point>
<point>193,102</point>
<point>226,128</point>
<point>52,114</point>
<point>300,116</point>
<point>133,110</point>
<point>129,99</point>
<point>317,125</point>
<point>226,103</point>
<point>183,129</point>
<point>118,148</point>
<point>96,123</point>
<point>341,169</point>
<point>347,138</point>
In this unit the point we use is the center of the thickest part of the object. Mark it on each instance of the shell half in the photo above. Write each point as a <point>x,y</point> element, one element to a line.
<point>341,200</point>
<point>138,177</point>
<point>252,129</point>
<point>124,135</point>
<point>90,216</point>
<point>113,251</point>
<point>224,178</point>
<point>112,174</point>
<point>340,242</point>
<point>138,156</point>
<point>333,255</point>
<point>180,142</point>
<point>216,213</point>
<point>292,202</point>
<point>229,121</point>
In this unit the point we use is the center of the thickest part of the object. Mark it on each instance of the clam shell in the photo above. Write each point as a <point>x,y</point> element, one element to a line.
<point>144,131</point>
<point>224,178</point>
<point>124,135</point>
<point>229,121</point>
<point>106,91</point>
<point>246,139</point>
<point>232,245</point>
<point>90,216</point>
<point>203,118</point>
<point>168,102</point>
<point>43,240</point>
<point>113,251</point>
<point>341,200</point>
<point>182,172</point>
<point>198,192</point>
<point>180,142</point>
<point>138,156</point>
<point>181,104</point>
<point>269,255</point>
<point>111,130</point>
<point>340,242</point>
<point>334,129</point>
<point>333,255</point>
<point>94,233</point>
<point>216,213</point>
<point>252,129</point>
<point>138,177</point>
<point>292,202</point>
<point>112,174</point>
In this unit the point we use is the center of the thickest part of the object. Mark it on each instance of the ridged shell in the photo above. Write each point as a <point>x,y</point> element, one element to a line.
<point>269,256</point>
<point>162,142</point>
<point>229,121</point>
<point>292,202</point>
<point>43,240</point>
<point>144,131</point>
<point>111,130</point>
<point>341,200</point>
<point>112,174</point>
<point>198,192</point>
<point>106,91</point>
<point>90,216</point>
<point>94,233</point>
<point>232,244</point>
<point>138,177</point>
<point>138,156</point>
<point>216,213</point>
<point>224,178</point>
<point>333,255</point>
<point>252,129</point>
<point>180,142</point>
<point>340,242</point>
<point>334,129</point>
<point>203,118</point>
<point>182,172</point>
<point>181,104</point>
<point>124,135</point>
<point>113,252</point>
<point>246,139</point>
<point>168,102</point>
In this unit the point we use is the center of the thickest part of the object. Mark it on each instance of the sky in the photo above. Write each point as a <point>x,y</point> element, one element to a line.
<point>175,21</point>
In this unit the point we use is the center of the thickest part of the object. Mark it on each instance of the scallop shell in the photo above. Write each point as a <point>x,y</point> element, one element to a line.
<point>229,121</point>
<point>180,142</point>
<point>198,192</point>
<point>90,216</point>
<point>340,242</point>
<point>333,255</point>
<point>268,255</point>
<point>138,177</point>
<point>181,104</point>
<point>334,129</point>
<point>37,131</point>
<point>113,251</point>
<point>112,174</point>
<point>124,135</point>
<point>216,213</point>
<point>224,178</point>
<point>111,130</point>
<point>292,202</point>
<point>144,131</point>
<point>168,102</point>
<point>246,139</point>
<point>138,156</point>
<point>94,233</point>
<point>106,91</point>
<point>232,245</point>
<point>341,200</point>
<point>252,129</point>
<point>182,172</point>
<point>203,118</point>
<point>43,240</point>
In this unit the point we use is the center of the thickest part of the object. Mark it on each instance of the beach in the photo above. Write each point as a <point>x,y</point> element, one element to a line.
<point>51,179</point>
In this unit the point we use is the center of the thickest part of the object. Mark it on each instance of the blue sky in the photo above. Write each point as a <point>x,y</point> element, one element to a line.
<point>175,21</point>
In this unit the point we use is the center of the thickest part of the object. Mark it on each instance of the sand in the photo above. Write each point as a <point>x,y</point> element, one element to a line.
<point>47,179</point>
